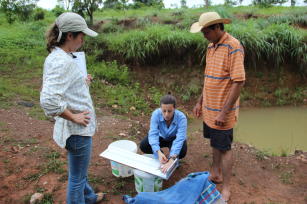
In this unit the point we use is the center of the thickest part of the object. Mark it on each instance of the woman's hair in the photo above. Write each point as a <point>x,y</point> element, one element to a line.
<point>52,36</point>
<point>168,99</point>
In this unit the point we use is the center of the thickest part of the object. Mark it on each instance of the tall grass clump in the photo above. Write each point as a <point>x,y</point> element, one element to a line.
<point>275,44</point>
<point>155,44</point>
<point>299,19</point>
<point>286,44</point>
<point>252,39</point>
<point>222,11</point>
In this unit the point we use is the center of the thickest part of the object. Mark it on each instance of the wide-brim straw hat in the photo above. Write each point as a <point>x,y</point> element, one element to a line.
<point>208,19</point>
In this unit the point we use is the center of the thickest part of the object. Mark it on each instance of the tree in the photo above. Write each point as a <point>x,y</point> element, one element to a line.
<point>66,4</point>
<point>230,3</point>
<point>158,3</point>
<point>268,3</point>
<point>58,10</point>
<point>262,3</point>
<point>208,3</point>
<point>293,2</point>
<point>183,3</point>
<point>116,4</point>
<point>21,9</point>
<point>86,7</point>
<point>280,2</point>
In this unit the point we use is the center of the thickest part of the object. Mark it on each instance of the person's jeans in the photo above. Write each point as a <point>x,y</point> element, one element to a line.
<point>79,155</point>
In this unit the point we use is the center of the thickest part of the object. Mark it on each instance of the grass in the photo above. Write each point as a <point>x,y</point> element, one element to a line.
<point>262,155</point>
<point>96,179</point>
<point>37,113</point>
<point>263,40</point>
<point>268,39</point>
<point>47,199</point>
<point>152,44</point>
<point>286,177</point>
<point>53,165</point>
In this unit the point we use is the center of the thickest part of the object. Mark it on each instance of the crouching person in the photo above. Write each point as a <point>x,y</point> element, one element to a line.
<point>168,128</point>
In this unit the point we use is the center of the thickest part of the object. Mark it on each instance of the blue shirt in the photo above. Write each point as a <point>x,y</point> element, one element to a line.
<point>177,131</point>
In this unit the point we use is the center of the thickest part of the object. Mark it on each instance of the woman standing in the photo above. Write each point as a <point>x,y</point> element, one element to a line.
<point>65,95</point>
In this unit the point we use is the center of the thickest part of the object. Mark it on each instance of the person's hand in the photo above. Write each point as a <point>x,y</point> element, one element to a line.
<point>197,110</point>
<point>81,118</point>
<point>220,120</point>
<point>89,79</point>
<point>166,166</point>
<point>162,157</point>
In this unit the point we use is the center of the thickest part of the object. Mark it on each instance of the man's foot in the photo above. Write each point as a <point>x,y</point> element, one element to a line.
<point>100,197</point>
<point>216,179</point>
<point>226,195</point>
<point>216,175</point>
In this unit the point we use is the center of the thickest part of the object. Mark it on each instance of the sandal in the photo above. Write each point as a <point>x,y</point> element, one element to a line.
<point>100,197</point>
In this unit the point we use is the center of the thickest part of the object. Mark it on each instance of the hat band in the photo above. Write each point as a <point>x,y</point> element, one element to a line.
<point>60,36</point>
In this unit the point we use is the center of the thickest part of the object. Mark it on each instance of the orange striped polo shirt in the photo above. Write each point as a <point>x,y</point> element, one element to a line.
<point>224,64</point>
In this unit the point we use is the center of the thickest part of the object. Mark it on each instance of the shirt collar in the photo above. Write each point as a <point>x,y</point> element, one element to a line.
<point>223,38</point>
<point>58,49</point>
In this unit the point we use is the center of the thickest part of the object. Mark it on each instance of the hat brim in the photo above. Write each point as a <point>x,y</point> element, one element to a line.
<point>196,27</point>
<point>90,32</point>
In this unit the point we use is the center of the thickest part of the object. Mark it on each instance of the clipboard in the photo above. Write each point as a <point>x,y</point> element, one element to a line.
<point>137,161</point>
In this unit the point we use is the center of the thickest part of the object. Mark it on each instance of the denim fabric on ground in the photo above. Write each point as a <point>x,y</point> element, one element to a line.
<point>79,155</point>
<point>188,190</point>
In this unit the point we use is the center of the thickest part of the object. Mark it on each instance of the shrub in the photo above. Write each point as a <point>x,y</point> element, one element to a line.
<point>58,10</point>
<point>111,72</point>
<point>39,14</point>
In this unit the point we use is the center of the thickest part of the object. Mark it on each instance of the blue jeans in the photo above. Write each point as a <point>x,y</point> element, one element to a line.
<point>79,155</point>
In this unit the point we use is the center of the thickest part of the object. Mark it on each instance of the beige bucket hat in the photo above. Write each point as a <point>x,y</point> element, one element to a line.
<point>208,19</point>
<point>72,22</point>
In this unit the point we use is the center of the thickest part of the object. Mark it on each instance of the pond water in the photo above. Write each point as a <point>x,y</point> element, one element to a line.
<point>277,130</point>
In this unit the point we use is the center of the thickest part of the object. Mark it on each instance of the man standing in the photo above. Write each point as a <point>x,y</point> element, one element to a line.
<point>219,102</point>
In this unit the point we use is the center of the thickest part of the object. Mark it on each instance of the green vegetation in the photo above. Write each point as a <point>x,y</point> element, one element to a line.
<point>273,38</point>
<point>286,177</point>
<point>47,199</point>
<point>262,155</point>
<point>53,165</point>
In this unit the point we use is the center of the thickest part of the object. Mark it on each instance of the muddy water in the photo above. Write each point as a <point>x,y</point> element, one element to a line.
<point>275,130</point>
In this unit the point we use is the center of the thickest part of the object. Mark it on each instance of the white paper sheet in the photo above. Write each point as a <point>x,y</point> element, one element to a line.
<point>138,161</point>
<point>81,62</point>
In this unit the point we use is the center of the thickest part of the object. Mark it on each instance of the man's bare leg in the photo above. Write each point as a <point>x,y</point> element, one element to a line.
<point>216,170</point>
<point>227,172</point>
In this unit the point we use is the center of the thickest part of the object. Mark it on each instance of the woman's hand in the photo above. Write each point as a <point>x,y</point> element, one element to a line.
<point>89,79</point>
<point>162,157</point>
<point>81,118</point>
<point>166,166</point>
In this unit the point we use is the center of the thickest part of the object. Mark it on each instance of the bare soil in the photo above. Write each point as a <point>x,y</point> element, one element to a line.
<point>25,142</point>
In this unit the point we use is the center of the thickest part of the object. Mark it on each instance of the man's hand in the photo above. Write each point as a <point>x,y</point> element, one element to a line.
<point>81,118</point>
<point>197,110</point>
<point>220,119</point>
<point>162,157</point>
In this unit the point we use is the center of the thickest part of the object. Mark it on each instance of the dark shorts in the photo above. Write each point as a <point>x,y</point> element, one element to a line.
<point>219,139</point>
